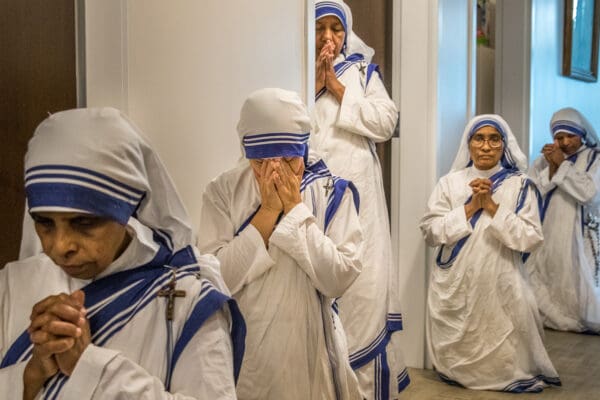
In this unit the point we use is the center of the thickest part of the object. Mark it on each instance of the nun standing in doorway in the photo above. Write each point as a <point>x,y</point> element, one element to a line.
<point>353,112</point>
<point>483,325</point>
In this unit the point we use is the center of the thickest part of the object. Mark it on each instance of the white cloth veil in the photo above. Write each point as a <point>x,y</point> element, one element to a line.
<point>269,112</point>
<point>96,160</point>
<point>512,152</point>
<point>573,122</point>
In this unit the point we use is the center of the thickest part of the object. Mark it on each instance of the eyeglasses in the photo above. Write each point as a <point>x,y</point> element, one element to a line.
<point>495,142</point>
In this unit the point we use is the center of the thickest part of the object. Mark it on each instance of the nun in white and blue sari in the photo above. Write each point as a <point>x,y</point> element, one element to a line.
<point>483,326</point>
<point>93,168</point>
<point>352,113</point>
<point>565,270</point>
<point>285,278</point>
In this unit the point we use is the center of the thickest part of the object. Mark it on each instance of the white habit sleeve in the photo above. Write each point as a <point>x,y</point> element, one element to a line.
<point>372,114</point>
<point>441,223</point>
<point>520,231</point>
<point>244,257</point>
<point>331,261</point>
<point>204,371</point>
<point>580,185</point>
<point>539,174</point>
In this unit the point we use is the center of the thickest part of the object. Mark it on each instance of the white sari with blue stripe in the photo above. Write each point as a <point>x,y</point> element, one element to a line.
<point>123,307</point>
<point>345,136</point>
<point>564,271</point>
<point>295,345</point>
<point>483,326</point>
<point>96,161</point>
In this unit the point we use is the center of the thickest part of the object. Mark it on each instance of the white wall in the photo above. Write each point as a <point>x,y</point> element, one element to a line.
<point>512,66</point>
<point>453,92</point>
<point>105,53</point>
<point>186,66</point>
<point>412,89</point>
<point>431,85</point>
<point>550,90</point>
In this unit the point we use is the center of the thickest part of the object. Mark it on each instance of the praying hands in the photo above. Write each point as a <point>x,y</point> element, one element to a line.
<point>481,198</point>
<point>325,74</point>
<point>554,156</point>
<point>60,332</point>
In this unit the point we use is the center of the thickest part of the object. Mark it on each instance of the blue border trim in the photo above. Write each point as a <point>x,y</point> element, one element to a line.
<point>368,353</point>
<point>211,303</point>
<point>55,194</point>
<point>532,385</point>
<point>403,380</point>
<point>382,377</point>
<point>85,171</point>
<point>335,198</point>
<point>568,127</point>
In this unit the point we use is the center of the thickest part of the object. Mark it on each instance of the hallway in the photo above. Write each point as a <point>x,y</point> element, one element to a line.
<point>575,356</point>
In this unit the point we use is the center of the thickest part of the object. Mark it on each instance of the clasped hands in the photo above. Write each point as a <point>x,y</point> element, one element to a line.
<point>325,74</point>
<point>481,198</point>
<point>554,156</point>
<point>60,333</point>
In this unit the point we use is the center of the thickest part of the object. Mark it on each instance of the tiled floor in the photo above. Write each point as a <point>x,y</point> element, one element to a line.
<point>575,356</point>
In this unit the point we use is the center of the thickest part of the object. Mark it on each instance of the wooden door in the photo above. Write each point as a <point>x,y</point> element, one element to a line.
<point>37,77</point>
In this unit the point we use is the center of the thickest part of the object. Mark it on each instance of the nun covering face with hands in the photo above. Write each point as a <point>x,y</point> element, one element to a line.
<point>288,238</point>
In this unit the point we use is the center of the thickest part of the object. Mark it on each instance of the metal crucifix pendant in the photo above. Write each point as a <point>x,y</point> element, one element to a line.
<point>328,186</point>
<point>170,293</point>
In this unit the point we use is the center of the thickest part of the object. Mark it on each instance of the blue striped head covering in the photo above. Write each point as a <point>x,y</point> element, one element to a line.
<point>487,122</point>
<point>571,121</point>
<point>569,127</point>
<point>274,123</point>
<point>275,144</point>
<point>332,8</point>
<point>512,156</point>
<point>506,160</point>
<point>96,161</point>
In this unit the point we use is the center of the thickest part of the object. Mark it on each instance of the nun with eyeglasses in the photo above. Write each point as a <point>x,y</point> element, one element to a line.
<point>565,270</point>
<point>483,327</point>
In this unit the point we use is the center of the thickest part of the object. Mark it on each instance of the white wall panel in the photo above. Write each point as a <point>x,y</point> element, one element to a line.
<point>181,69</point>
